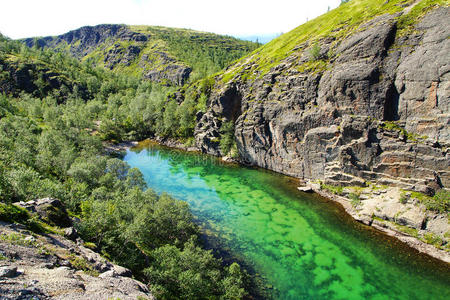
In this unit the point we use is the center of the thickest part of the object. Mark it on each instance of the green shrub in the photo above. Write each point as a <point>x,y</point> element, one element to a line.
<point>354,199</point>
<point>13,214</point>
<point>440,202</point>
<point>192,273</point>
<point>80,263</point>
<point>90,245</point>
<point>314,52</point>
<point>403,198</point>
<point>335,189</point>
<point>226,137</point>
<point>433,239</point>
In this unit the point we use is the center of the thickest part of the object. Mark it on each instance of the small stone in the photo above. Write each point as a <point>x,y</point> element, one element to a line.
<point>8,271</point>
<point>306,189</point>
<point>25,292</point>
<point>123,272</point>
<point>30,239</point>
<point>64,263</point>
<point>71,233</point>
<point>47,265</point>
<point>107,274</point>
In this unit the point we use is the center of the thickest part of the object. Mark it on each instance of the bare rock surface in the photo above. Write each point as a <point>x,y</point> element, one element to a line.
<point>330,125</point>
<point>378,114</point>
<point>52,267</point>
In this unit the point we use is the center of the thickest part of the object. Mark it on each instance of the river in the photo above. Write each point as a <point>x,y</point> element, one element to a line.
<point>301,245</point>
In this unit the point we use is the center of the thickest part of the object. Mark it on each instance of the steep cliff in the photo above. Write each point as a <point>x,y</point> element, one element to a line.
<point>367,100</point>
<point>359,100</point>
<point>161,54</point>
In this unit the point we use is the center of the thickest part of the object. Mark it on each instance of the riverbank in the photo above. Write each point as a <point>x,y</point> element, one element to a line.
<point>385,226</point>
<point>368,211</point>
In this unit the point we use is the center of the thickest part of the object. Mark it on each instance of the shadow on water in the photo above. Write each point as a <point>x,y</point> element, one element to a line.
<point>298,245</point>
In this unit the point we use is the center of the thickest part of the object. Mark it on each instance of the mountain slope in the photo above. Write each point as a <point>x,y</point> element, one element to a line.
<point>166,55</point>
<point>358,97</point>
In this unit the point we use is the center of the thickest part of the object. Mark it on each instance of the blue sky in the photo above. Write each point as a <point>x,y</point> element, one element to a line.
<point>26,18</point>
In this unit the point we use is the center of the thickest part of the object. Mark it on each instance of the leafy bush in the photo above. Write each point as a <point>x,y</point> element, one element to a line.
<point>335,189</point>
<point>354,199</point>
<point>314,52</point>
<point>440,201</point>
<point>226,137</point>
<point>13,214</point>
<point>192,272</point>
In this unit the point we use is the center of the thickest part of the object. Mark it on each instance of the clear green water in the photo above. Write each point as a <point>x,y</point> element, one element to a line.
<point>303,245</point>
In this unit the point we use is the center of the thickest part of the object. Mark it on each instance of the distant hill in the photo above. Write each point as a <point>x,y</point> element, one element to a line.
<point>166,55</point>
<point>262,38</point>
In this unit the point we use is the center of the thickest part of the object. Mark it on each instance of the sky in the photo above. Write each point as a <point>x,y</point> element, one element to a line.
<point>29,18</point>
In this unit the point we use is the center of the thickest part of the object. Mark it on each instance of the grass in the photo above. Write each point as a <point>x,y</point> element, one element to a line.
<point>82,264</point>
<point>406,22</point>
<point>433,239</point>
<point>338,23</point>
<point>17,239</point>
<point>335,189</point>
<point>394,126</point>
<point>408,230</point>
<point>15,214</point>
<point>440,202</point>
<point>90,245</point>
<point>354,199</point>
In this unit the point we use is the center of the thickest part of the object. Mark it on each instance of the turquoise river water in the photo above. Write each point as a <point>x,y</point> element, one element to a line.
<point>301,245</point>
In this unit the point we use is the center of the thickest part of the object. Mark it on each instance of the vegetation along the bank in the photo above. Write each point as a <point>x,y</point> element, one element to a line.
<point>54,113</point>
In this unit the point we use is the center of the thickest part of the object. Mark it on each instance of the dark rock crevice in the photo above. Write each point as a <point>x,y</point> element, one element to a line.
<point>328,124</point>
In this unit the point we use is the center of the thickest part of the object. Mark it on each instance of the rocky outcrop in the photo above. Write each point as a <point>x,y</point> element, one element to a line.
<point>148,52</point>
<point>51,211</point>
<point>39,80</point>
<point>378,112</point>
<point>86,39</point>
<point>164,68</point>
<point>34,266</point>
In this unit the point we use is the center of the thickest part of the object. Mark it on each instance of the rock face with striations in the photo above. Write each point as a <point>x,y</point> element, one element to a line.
<point>378,112</point>
<point>120,47</point>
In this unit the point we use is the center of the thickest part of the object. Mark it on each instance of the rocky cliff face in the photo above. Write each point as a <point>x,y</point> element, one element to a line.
<point>146,51</point>
<point>120,47</point>
<point>372,106</point>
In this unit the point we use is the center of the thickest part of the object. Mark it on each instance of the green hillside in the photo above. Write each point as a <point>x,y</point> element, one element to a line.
<point>166,55</point>
<point>336,25</point>
<point>55,111</point>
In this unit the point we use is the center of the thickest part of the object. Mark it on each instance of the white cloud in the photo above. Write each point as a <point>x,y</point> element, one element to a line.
<point>25,18</point>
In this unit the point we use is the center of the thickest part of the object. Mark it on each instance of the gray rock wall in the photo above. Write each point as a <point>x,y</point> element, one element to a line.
<point>337,125</point>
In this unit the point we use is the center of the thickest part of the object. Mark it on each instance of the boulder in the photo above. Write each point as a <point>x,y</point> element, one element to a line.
<point>8,271</point>
<point>50,210</point>
<point>71,233</point>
